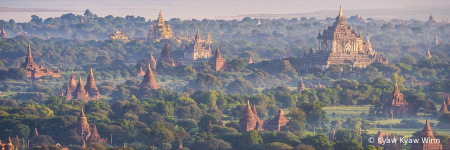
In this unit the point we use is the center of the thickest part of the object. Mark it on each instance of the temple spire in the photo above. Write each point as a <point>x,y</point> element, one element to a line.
<point>149,80</point>
<point>29,58</point>
<point>3,34</point>
<point>197,36</point>
<point>426,131</point>
<point>447,101</point>
<point>160,19</point>
<point>396,86</point>
<point>72,83</point>
<point>180,146</point>
<point>340,11</point>
<point>82,113</point>
<point>436,41</point>
<point>443,110</point>
<point>217,52</point>
<point>300,86</point>
<point>429,54</point>
<point>91,88</point>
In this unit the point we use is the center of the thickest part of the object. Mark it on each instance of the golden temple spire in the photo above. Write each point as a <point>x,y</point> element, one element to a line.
<point>429,54</point>
<point>340,11</point>
<point>160,19</point>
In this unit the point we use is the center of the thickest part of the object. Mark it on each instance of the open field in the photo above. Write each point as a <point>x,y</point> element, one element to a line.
<point>347,111</point>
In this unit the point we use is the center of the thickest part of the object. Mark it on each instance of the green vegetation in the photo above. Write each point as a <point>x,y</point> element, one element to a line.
<point>193,97</point>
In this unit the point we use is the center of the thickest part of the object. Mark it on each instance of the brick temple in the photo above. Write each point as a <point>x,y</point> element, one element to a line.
<point>85,132</point>
<point>218,62</point>
<point>431,144</point>
<point>81,92</point>
<point>34,71</point>
<point>396,106</point>
<point>166,56</point>
<point>149,80</point>
<point>250,120</point>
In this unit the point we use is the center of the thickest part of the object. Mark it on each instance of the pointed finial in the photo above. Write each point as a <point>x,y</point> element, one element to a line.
<point>340,11</point>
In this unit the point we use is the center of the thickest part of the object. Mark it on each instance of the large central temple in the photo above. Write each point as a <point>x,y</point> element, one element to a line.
<point>341,44</point>
<point>160,31</point>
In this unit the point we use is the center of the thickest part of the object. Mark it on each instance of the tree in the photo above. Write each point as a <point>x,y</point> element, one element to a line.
<point>36,19</point>
<point>54,102</point>
<point>277,146</point>
<point>320,141</point>
<point>370,147</point>
<point>187,124</point>
<point>398,80</point>
<point>347,135</point>
<point>285,66</point>
<point>121,93</point>
<point>241,86</point>
<point>203,124</point>
<point>190,112</point>
<point>88,13</point>
<point>206,82</point>
<point>236,65</point>
<point>159,135</point>
<point>211,144</point>
<point>350,145</point>
<point>304,147</point>
<point>297,123</point>
<point>314,114</point>
<point>42,140</point>
<point>347,96</point>
<point>250,138</point>
<point>408,59</point>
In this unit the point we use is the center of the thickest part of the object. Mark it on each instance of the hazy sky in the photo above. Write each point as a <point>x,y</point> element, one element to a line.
<point>212,9</point>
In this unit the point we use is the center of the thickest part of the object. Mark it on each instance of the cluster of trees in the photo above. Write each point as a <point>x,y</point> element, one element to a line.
<point>150,122</point>
<point>198,95</point>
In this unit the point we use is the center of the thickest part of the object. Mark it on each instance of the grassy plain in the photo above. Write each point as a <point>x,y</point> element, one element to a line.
<point>347,111</point>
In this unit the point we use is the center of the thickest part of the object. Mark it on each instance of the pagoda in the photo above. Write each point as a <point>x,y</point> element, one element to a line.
<point>447,101</point>
<point>251,121</point>
<point>443,110</point>
<point>277,122</point>
<point>140,72</point>
<point>247,121</point>
<point>85,132</point>
<point>160,31</point>
<point>431,20</point>
<point>91,88</point>
<point>68,94</point>
<point>118,35</point>
<point>218,62</point>
<point>34,71</point>
<point>80,93</point>
<point>3,34</point>
<point>429,54</point>
<point>72,83</point>
<point>8,145</point>
<point>166,56</point>
<point>341,44</point>
<point>300,86</point>
<point>379,137</point>
<point>288,53</point>
<point>396,106</point>
<point>427,141</point>
<point>152,62</point>
<point>149,80</point>
<point>199,49</point>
